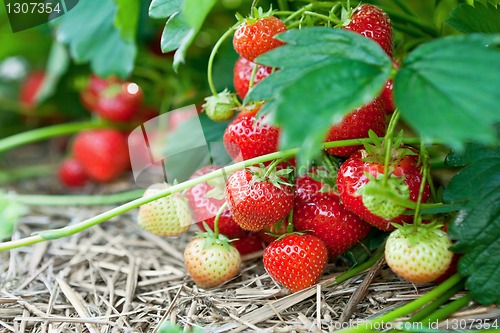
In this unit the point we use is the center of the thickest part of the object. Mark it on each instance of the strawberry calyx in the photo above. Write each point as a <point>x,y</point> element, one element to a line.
<point>421,232</point>
<point>270,174</point>
<point>214,238</point>
<point>375,152</point>
<point>255,15</point>
<point>221,107</point>
<point>112,90</point>
<point>218,188</point>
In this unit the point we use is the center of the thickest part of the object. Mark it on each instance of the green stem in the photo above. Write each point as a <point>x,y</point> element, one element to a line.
<point>388,145</point>
<point>73,229</point>
<point>76,200</point>
<point>47,133</point>
<point>283,5</point>
<point>212,57</point>
<point>217,218</point>
<point>448,310</point>
<point>7,176</point>
<point>429,309</point>
<point>408,308</point>
<point>298,13</point>
<point>272,166</point>
<point>402,4</point>
<point>389,194</point>
<point>425,169</point>
<point>323,17</point>
<point>361,268</point>
<point>252,76</point>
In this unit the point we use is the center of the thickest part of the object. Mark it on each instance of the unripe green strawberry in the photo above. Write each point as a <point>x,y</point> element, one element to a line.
<point>221,107</point>
<point>211,263</point>
<point>418,254</point>
<point>167,216</point>
<point>379,205</point>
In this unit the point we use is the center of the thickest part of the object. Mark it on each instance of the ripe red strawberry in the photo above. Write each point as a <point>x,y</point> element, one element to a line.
<point>72,174</point>
<point>119,101</point>
<point>95,85</point>
<point>247,137</point>
<point>356,125</point>
<point>372,22</point>
<point>103,153</point>
<point>249,243</point>
<point>205,200</point>
<point>405,181</point>
<point>243,72</point>
<point>30,88</point>
<point>211,263</point>
<point>258,201</point>
<point>255,37</point>
<point>324,215</point>
<point>296,261</point>
<point>167,216</point>
<point>387,94</point>
<point>419,255</point>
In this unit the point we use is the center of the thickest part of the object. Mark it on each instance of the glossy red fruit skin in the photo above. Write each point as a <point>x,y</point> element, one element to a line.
<point>247,137</point>
<point>30,88</point>
<point>72,174</point>
<point>90,94</point>
<point>122,106</point>
<point>254,39</point>
<point>296,261</point>
<point>205,209</point>
<point>242,73</point>
<point>356,125</point>
<point>257,205</point>
<point>103,153</point>
<point>372,22</point>
<point>388,94</point>
<point>248,243</point>
<point>351,177</point>
<point>331,222</point>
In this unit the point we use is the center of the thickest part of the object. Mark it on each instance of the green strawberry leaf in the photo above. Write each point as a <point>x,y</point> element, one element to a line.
<point>159,9</point>
<point>447,89</point>
<point>185,21</point>
<point>99,42</point>
<point>477,227</point>
<point>337,70</point>
<point>127,18</point>
<point>478,18</point>
<point>10,212</point>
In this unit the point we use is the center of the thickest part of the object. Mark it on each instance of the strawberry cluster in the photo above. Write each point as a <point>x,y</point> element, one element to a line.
<point>301,220</point>
<point>102,155</point>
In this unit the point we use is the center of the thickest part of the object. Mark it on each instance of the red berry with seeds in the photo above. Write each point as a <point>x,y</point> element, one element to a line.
<point>356,125</point>
<point>363,169</point>
<point>257,201</point>
<point>206,199</point>
<point>72,174</point>
<point>242,74</point>
<point>103,153</point>
<point>30,88</point>
<point>296,261</point>
<point>255,37</point>
<point>119,101</point>
<point>372,22</point>
<point>249,243</point>
<point>247,137</point>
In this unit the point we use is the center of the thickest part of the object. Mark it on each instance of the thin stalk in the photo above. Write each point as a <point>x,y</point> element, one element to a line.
<point>44,133</point>
<point>212,57</point>
<point>425,162</point>
<point>361,268</point>
<point>73,229</point>
<point>298,13</point>
<point>252,76</point>
<point>429,309</point>
<point>217,218</point>
<point>323,17</point>
<point>10,175</point>
<point>76,200</point>
<point>388,144</point>
<point>283,5</point>
<point>448,310</point>
<point>405,18</point>
<point>272,166</point>
<point>408,308</point>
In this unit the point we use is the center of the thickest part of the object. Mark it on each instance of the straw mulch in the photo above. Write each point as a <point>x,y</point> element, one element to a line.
<point>116,277</point>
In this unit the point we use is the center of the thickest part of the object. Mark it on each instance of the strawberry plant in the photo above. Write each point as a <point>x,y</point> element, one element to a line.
<point>326,118</point>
